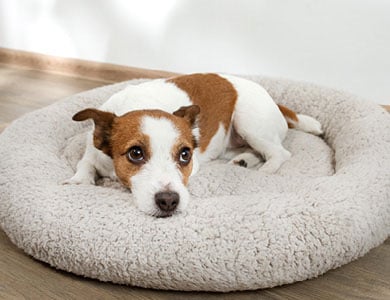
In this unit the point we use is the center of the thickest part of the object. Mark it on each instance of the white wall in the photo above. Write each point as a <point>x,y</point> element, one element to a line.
<point>339,43</point>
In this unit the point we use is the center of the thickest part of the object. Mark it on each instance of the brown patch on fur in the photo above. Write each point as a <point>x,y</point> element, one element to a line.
<point>289,115</point>
<point>186,172</point>
<point>126,133</point>
<point>216,98</point>
<point>184,120</point>
<point>190,113</point>
<point>184,169</point>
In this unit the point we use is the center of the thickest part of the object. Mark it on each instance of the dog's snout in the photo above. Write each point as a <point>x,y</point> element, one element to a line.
<point>167,201</point>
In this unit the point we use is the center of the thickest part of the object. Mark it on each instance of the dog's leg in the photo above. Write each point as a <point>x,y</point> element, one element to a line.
<point>264,133</point>
<point>274,154</point>
<point>85,174</point>
<point>86,171</point>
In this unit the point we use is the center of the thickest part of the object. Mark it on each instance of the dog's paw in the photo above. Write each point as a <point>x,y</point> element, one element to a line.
<point>241,163</point>
<point>79,180</point>
<point>246,160</point>
<point>113,176</point>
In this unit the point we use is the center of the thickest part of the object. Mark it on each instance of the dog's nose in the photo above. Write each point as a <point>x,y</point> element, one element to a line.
<point>167,201</point>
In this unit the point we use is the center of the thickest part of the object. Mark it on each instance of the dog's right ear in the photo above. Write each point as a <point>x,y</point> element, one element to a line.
<point>103,124</point>
<point>189,113</point>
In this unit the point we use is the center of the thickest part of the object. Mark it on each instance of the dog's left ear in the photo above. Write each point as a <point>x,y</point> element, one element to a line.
<point>103,124</point>
<point>189,113</point>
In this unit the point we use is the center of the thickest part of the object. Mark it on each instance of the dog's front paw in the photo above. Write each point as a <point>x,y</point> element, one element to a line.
<point>76,179</point>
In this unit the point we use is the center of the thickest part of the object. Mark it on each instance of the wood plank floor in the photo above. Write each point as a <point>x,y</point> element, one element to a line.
<point>21,277</point>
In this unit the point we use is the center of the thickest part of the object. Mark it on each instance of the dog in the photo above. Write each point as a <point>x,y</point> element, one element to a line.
<point>153,136</point>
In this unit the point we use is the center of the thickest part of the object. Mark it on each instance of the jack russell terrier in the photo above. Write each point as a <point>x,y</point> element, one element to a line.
<point>153,136</point>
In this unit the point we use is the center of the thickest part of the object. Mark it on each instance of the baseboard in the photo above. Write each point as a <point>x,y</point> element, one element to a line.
<point>76,67</point>
<point>81,68</point>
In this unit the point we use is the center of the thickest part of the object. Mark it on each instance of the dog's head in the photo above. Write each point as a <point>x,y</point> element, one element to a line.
<point>152,152</point>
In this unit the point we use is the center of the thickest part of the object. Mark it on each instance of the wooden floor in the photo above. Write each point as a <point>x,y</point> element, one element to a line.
<point>21,277</point>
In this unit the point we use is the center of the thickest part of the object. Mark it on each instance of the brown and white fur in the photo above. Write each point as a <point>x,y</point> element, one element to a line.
<point>153,136</point>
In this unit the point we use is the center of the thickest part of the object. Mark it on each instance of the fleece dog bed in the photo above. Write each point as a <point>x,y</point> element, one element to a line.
<point>326,206</point>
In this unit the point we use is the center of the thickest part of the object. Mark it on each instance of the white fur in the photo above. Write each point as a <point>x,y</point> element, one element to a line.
<point>154,94</point>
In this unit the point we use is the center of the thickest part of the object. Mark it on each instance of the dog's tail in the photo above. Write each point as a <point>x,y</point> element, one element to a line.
<point>300,122</point>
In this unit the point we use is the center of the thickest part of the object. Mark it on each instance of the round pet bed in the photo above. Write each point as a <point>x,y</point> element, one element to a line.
<point>328,205</point>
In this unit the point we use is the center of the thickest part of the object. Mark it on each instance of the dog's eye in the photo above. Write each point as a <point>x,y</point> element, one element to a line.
<point>136,155</point>
<point>185,156</point>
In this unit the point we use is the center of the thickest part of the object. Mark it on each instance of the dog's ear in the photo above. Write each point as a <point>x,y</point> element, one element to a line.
<point>189,113</point>
<point>103,124</point>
